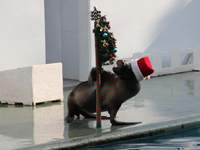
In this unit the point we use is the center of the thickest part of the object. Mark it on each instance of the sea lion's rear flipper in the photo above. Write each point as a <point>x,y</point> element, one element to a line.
<point>90,115</point>
<point>115,122</point>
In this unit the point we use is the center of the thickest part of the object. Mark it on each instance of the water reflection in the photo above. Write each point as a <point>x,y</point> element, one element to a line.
<point>48,122</point>
<point>77,128</point>
<point>178,85</point>
<point>187,87</point>
<point>16,126</point>
<point>30,125</point>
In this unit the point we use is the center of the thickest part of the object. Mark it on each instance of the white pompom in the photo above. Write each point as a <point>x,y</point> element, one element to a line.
<point>147,78</point>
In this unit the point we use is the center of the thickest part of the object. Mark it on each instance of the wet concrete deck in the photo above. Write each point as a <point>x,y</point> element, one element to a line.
<point>164,104</point>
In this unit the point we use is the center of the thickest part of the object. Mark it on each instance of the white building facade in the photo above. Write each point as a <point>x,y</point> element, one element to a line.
<point>22,34</point>
<point>48,31</point>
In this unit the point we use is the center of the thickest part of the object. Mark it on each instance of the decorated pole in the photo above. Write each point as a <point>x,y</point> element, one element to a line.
<point>105,49</point>
<point>95,15</point>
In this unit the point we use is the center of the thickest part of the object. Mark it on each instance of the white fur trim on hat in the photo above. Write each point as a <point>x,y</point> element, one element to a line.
<point>136,70</point>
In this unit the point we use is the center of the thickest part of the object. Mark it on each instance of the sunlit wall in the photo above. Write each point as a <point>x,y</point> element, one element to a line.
<point>138,26</point>
<point>22,34</point>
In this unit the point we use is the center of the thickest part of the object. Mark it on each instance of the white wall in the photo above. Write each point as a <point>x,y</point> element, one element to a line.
<point>68,36</point>
<point>138,26</point>
<point>147,25</point>
<point>85,52</point>
<point>22,33</point>
<point>53,31</point>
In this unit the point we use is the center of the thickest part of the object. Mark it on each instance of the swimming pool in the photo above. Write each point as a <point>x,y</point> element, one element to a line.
<point>182,140</point>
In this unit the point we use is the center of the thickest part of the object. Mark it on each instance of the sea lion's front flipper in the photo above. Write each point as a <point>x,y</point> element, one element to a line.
<point>92,76</point>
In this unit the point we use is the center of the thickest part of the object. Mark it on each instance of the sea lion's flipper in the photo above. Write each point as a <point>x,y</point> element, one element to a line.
<point>90,115</point>
<point>92,76</point>
<point>113,111</point>
<point>69,118</point>
<point>73,108</point>
<point>115,122</point>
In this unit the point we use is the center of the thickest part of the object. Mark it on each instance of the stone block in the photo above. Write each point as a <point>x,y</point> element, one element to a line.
<point>31,85</point>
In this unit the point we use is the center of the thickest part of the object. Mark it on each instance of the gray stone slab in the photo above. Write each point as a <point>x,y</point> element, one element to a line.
<point>164,104</point>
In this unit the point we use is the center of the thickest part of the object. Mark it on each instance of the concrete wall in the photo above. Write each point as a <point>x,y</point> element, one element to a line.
<point>68,36</point>
<point>53,31</point>
<point>138,26</point>
<point>147,25</point>
<point>22,33</point>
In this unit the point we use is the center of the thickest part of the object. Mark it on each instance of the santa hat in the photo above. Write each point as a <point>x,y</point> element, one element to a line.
<point>142,68</point>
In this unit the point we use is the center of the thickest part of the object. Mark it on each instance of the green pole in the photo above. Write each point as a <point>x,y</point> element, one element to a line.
<point>98,87</point>
<point>95,15</point>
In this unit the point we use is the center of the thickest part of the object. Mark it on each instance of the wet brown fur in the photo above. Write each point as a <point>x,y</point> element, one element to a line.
<point>116,88</point>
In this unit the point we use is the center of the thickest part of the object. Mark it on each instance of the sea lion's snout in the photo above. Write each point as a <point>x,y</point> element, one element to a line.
<point>116,69</point>
<point>120,64</point>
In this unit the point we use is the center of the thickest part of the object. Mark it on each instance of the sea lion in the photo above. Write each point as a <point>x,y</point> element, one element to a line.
<point>116,88</point>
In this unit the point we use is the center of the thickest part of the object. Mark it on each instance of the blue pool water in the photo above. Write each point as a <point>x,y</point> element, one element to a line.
<point>183,140</point>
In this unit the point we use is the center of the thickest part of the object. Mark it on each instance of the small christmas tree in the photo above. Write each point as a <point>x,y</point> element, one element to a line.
<point>106,42</point>
<point>105,49</point>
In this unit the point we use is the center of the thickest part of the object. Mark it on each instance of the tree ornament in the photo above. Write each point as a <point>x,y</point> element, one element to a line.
<point>98,25</point>
<point>115,50</point>
<point>104,43</point>
<point>104,29</point>
<point>112,36</point>
<point>95,14</point>
<point>111,62</point>
<point>112,58</point>
<point>105,35</point>
<point>101,29</point>
<point>108,26</point>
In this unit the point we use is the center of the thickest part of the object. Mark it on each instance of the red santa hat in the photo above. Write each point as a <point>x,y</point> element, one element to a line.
<point>142,68</point>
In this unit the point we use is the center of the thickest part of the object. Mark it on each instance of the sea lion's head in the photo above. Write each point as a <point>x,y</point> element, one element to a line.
<point>138,68</point>
<point>124,70</point>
